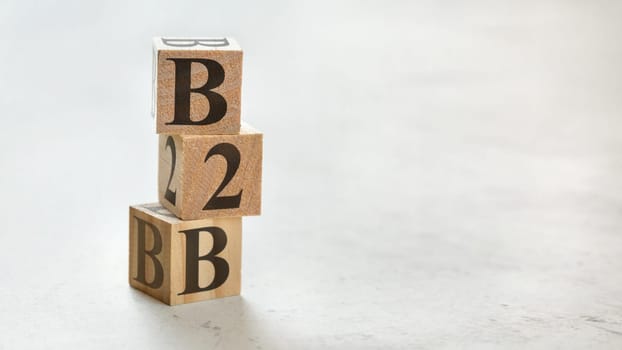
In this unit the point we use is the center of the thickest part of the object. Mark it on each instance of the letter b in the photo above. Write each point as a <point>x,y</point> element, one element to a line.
<point>221,267</point>
<point>143,253</point>
<point>210,42</point>
<point>183,89</point>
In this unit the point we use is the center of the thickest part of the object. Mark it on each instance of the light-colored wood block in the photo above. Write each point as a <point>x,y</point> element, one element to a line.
<point>197,85</point>
<point>179,261</point>
<point>211,175</point>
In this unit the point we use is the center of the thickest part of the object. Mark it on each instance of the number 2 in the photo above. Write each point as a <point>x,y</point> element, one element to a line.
<point>170,195</point>
<point>231,155</point>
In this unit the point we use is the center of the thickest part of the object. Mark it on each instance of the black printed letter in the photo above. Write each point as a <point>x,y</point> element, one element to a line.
<point>183,89</point>
<point>141,277</point>
<point>221,267</point>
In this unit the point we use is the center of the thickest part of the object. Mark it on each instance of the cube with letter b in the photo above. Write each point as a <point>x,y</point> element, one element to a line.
<point>197,85</point>
<point>204,176</point>
<point>179,261</point>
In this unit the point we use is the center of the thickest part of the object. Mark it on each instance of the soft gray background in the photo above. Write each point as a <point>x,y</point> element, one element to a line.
<point>437,174</point>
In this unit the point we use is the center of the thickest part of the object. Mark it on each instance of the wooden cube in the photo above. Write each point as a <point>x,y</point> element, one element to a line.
<point>179,261</point>
<point>197,85</point>
<point>211,175</point>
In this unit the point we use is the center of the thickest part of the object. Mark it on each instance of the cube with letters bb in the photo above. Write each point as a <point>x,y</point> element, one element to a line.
<point>179,261</point>
<point>197,85</point>
<point>211,175</point>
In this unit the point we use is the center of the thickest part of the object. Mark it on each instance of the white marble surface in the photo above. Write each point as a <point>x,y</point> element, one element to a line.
<point>437,175</point>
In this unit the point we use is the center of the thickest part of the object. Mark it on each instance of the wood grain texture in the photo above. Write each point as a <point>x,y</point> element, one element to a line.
<point>229,57</point>
<point>173,254</point>
<point>196,179</point>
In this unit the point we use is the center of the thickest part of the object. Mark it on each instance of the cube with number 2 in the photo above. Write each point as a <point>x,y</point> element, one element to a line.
<point>204,176</point>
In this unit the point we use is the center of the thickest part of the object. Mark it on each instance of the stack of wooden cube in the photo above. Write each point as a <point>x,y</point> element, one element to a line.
<point>188,247</point>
